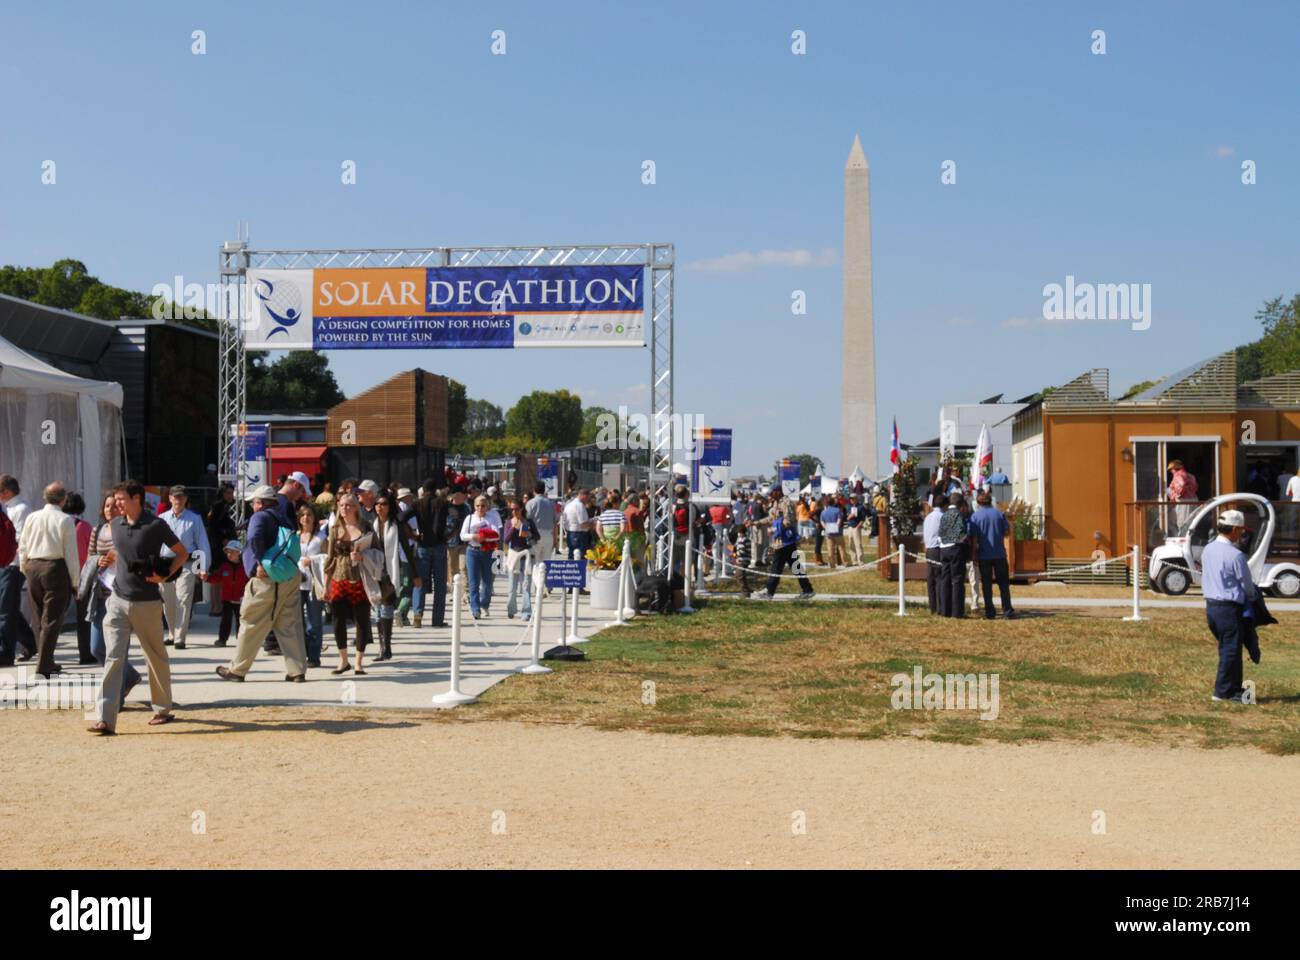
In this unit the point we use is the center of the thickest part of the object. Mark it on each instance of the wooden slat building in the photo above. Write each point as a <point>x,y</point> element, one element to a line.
<point>394,431</point>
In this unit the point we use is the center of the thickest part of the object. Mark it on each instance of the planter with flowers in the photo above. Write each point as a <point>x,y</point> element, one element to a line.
<point>603,561</point>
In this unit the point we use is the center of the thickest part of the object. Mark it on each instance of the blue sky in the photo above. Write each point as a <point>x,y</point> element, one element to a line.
<point>1117,168</point>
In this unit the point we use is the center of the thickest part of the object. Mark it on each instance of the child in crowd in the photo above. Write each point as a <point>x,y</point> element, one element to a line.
<point>229,575</point>
<point>740,555</point>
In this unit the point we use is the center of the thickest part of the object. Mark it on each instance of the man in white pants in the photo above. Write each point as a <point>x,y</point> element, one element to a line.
<point>178,594</point>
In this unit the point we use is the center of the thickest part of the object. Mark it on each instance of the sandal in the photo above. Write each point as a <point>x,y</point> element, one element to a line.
<point>158,719</point>
<point>103,729</point>
<point>343,669</point>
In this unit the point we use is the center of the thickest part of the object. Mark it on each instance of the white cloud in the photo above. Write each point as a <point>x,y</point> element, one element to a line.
<point>1224,151</point>
<point>743,260</point>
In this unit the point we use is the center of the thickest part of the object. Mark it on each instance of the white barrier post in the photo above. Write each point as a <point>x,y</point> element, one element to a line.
<point>454,696</point>
<point>688,570</point>
<point>573,623</point>
<point>1137,612</point>
<point>622,588</point>
<point>629,592</point>
<point>902,609</point>
<point>539,581</point>
<point>701,583</point>
<point>566,595</point>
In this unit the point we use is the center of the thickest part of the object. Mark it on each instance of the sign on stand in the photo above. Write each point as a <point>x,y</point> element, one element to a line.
<point>254,467</point>
<point>711,468</point>
<point>566,574</point>
<point>790,478</point>
<point>548,472</point>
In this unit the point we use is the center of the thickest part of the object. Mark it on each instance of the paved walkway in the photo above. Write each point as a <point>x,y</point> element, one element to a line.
<point>491,650</point>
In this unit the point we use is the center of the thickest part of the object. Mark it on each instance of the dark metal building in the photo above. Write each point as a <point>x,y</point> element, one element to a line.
<point>168,373</point>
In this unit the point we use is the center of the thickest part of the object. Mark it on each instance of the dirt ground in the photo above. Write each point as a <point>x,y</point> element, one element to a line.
<point>289,788</point>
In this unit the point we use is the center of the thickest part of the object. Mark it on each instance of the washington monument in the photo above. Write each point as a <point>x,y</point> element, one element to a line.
<point>858,391</point>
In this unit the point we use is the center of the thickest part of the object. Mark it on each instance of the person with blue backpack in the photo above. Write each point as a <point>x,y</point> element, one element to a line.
<point>271,599</point>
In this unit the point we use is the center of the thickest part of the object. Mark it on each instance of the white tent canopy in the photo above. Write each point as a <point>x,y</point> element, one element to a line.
<point>56,426</point>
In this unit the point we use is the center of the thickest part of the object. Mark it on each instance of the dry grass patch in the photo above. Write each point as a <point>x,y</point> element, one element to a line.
<point>824,670</point>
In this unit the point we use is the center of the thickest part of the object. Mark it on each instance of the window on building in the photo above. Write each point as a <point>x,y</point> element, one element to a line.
<point>1151,459</point>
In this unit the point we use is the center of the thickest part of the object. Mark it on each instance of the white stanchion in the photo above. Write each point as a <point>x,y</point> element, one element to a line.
<point>539,591</point>
<point>629,593</point>
<point>902,604</point>
<point>1137,596</point>
<point>573,623</point>
<point>454,696</point>
<point>701,583</point>
<point>688,578</point>
<point>622,588</point>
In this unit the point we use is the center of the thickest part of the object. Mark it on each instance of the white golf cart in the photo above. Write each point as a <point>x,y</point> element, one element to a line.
<point>1176,565</point>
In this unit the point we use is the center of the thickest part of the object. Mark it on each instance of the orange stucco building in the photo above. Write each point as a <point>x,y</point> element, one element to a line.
<point>1104,461</point>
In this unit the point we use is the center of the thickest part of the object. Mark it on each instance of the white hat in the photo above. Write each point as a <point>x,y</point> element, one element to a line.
<point>403,493</point>
<point>302,479</point>
<point>264,492</point>
<point>369,486</point>
<point>1232,518</point>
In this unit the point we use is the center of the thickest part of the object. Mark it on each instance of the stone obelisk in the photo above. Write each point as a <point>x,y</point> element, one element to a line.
<point>858,446</point>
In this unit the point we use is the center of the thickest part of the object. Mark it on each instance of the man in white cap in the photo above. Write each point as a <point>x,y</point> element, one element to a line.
<point>268,604</point>
<point>1230,594</point>
<point>295,492</point>
<point>367,494</point>
<point>406,504</point>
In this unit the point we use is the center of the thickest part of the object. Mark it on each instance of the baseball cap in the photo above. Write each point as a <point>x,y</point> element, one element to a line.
<point>369,486</point>
<point>264,492</point>
<point>1232,518</point>
<point>177,491</point>
<point>302,479</point>
<point>233,545</point>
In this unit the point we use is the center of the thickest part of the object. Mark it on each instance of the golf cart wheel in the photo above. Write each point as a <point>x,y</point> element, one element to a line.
<point>1287,585</point>
<point>1175,581</point>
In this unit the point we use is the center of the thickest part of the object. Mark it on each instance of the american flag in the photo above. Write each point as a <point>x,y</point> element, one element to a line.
<point>895,455</point>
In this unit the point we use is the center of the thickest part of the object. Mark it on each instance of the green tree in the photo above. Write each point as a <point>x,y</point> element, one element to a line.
<point>21,282</point>
<point>1278,350</point>
<point>591,423</point>
<point>904,507</point>
<point>457,409</point>
<point>484,420</point>
<point>807,467</point>
<point>1137,388</point>
<point>554,417</point>
<point>64,284</point>
<point>299,380</point>
<point>68,286</point>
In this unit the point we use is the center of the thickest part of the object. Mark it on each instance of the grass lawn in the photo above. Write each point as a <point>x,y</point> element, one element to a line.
<point>824,670</point>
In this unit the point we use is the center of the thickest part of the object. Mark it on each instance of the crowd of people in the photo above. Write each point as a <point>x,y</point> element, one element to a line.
<point>368,559</point>
<point>363,558</point>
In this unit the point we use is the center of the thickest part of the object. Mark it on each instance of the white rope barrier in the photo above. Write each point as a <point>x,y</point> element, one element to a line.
<point>760,572</point>
<point>1134,558</point>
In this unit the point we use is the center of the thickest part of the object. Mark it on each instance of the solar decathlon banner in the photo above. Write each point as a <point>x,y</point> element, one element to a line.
<point>385,308</point>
